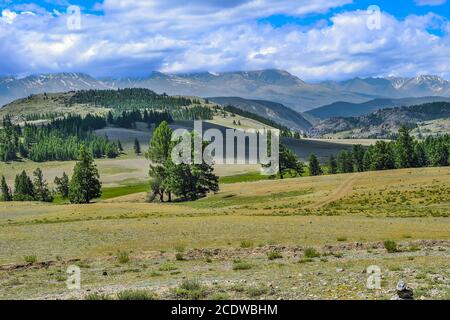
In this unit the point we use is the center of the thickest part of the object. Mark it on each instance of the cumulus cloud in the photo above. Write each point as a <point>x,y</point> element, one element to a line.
<point>134,38</point>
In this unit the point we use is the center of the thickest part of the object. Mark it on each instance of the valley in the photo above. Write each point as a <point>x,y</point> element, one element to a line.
<point>305,236</point>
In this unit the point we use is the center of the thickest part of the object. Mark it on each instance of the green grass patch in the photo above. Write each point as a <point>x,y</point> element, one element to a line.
<point>114,192</point>
<point>244,177</point>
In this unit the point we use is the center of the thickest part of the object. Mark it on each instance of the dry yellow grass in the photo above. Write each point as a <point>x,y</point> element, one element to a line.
<point>264,213</point>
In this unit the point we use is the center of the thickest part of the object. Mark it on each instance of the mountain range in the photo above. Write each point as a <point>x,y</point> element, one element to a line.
<point>270,85</point>
<point>383,123</point>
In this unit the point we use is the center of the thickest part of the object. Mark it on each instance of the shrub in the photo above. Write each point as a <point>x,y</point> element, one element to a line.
<point>190,289</point>
<point>179,256</point>
<point>311,253</point>
<point>256,291</point>
<point>30,259</point>
<point>413,249</point>
<point>167,267</point>
<point>241,265</point>
<point>123,257</point>
<point>341,239</point>
<point>246,244</point>
<point>97,296</point>
<point>136,295</point>
<point>390,246</point>
<point>272,255</point>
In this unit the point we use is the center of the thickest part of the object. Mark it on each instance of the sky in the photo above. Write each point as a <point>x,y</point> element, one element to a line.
<point>315,40</point>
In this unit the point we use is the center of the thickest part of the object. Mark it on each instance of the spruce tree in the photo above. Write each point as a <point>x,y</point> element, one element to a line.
<point>6,191</point>
<point>404,149</point>
<point>119,146</point>
<point>332,165</point>
<point>23,188</point>
<point>62,185</point>
<point>41,190</point>
<point>85,184</point>
<point>314,166</point>
<point>345,162</point>
<point>137,146</point>
<point>288,162</point>
<point>358,157</point>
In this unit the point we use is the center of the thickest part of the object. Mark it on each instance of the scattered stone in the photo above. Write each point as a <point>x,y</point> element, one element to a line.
<point>339,270</point>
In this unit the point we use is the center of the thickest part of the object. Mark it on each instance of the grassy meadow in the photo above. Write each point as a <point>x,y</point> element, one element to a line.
<point>298,238</point>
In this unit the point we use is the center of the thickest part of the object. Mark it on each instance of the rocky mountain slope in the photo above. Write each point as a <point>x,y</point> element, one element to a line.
<point>382,123</point>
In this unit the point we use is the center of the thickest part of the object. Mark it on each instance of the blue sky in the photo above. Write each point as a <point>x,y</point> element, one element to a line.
<point>315,40</point>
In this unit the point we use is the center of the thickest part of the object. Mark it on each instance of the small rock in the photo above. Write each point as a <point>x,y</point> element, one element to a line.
<point>338,270</point>
<point>403,292</point>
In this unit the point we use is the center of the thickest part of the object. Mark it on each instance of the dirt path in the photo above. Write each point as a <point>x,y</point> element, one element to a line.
<point>337,194</point>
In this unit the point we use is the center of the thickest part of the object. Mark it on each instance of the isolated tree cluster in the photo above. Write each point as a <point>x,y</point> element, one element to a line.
<point>185,181</point>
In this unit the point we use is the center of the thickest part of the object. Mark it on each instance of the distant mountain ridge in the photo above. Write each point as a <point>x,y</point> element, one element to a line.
<point>269,110</point>
<point>395,87</point>
<point>348,109</point>
<point>269,85</point>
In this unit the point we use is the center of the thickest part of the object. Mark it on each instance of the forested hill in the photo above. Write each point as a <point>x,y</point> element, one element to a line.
<point>51,105</point>
<point>127,99</point>
<point>384,122</point>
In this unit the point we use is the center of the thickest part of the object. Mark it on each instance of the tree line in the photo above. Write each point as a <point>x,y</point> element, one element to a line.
<point>405,152</point>
<point>84,185</point>
<point>127,99</point>
<point>59,140</point>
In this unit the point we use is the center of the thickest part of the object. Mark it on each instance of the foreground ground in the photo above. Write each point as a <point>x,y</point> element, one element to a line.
<point>251,240</point>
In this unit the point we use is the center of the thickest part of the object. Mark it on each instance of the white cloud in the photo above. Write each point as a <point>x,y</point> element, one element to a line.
<point>430,2</point>
<point>8,16</point>
<point>134,38</point>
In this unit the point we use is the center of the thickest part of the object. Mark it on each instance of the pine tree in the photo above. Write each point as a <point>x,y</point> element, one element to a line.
<point>404,149</point>
<point>288,162</point>
<point>420,155</point>
<point>119,146</point>
<point>23,188</point>
<point>332,165</point>
<point>62,185</point>
<point>358,157</point>
<point>41,191</point>
<point>6,191</point>
<point>345,162</point>
<point>137,146</point>
<point>85,184</point>
<point>314,166</point>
